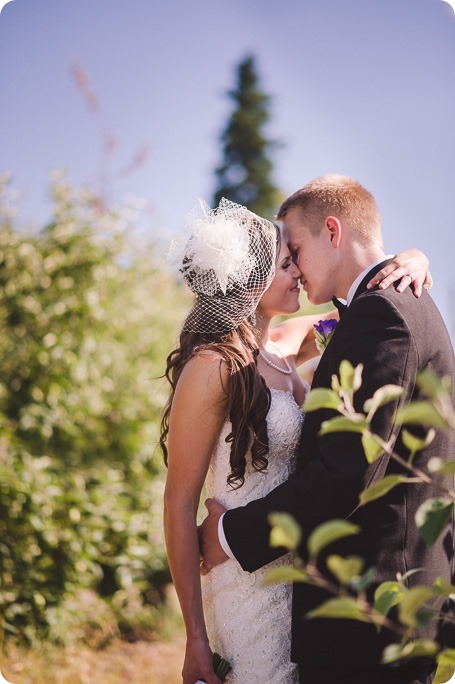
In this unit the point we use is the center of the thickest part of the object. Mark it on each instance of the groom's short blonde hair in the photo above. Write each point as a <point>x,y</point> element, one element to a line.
<point>339,196</point>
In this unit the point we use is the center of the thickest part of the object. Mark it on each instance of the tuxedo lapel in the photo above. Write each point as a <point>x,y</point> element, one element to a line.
<point>363,285</point>
<point>323,374</point>
<point>321,378</point>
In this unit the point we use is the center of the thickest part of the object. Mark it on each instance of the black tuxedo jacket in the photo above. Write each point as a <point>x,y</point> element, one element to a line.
<point>394,336</point>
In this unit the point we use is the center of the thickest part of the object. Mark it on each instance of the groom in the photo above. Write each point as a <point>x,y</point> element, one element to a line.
<point>332,226</point>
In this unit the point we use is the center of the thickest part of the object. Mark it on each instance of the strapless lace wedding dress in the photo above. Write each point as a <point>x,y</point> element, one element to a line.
<point>250,624</point>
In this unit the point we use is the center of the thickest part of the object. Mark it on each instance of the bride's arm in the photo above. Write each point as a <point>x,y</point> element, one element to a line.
<point>296,335</point>
<point>411,267</point>
<point>197,414</point>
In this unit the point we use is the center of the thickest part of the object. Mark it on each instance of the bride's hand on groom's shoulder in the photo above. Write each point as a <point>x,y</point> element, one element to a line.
<point>212,553</point>
<point>410,267</point>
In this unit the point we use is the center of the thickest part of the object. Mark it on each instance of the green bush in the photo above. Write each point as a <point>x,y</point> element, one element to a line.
<point>87,315</point>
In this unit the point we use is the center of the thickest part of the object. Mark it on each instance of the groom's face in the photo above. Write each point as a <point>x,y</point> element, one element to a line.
<point>313,255</point>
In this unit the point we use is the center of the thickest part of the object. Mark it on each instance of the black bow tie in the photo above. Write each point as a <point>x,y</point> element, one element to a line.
<point>341,306</point>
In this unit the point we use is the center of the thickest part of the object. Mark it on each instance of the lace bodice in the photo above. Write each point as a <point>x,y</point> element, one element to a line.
<point>249,623</point>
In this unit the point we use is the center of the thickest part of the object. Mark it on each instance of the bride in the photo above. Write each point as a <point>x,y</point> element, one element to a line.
<point>233,422</point>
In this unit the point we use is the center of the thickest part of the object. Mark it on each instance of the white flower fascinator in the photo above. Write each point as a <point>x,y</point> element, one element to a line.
<point>228,261</point>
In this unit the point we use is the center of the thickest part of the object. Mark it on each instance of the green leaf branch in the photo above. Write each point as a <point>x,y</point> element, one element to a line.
<point>349,572</point>
<point>414,607</point>
<point>437,412</point>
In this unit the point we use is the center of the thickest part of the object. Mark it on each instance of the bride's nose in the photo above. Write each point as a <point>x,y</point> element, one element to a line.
<point>296,272</point>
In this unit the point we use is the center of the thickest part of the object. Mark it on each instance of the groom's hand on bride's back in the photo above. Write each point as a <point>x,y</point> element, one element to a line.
<point>210,548</point>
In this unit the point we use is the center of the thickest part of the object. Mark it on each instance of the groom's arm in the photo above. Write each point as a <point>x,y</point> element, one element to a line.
<point>373,333</point>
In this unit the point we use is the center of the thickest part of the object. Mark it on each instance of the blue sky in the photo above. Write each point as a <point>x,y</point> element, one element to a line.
<point>365,88</point>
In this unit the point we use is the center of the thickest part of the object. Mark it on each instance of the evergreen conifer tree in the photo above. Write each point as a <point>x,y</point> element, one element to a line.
<point>245,173</point>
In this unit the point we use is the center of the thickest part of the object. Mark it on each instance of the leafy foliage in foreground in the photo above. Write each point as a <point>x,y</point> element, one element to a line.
<point>86,318</point>
<point>418,605</point>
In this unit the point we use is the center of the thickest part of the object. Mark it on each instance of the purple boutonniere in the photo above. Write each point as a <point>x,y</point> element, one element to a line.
<point>323,331</point>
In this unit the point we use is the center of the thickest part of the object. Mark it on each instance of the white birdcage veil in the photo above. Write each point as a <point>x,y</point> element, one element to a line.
<point>228,261</point>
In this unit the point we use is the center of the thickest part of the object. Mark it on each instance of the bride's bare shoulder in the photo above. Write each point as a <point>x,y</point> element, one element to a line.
<point>206,359</point>
<point>205,376</point>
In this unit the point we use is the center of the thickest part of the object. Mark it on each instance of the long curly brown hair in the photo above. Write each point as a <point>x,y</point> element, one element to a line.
<point>248,397</point>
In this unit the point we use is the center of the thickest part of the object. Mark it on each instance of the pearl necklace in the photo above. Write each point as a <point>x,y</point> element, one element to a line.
<point>288,370</point>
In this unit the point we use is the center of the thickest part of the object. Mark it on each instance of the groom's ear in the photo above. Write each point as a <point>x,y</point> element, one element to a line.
<point>334,228</point>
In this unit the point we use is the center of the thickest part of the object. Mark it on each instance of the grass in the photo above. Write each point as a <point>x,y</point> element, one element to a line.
<point>94,653</point>
<point>136,663</point>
